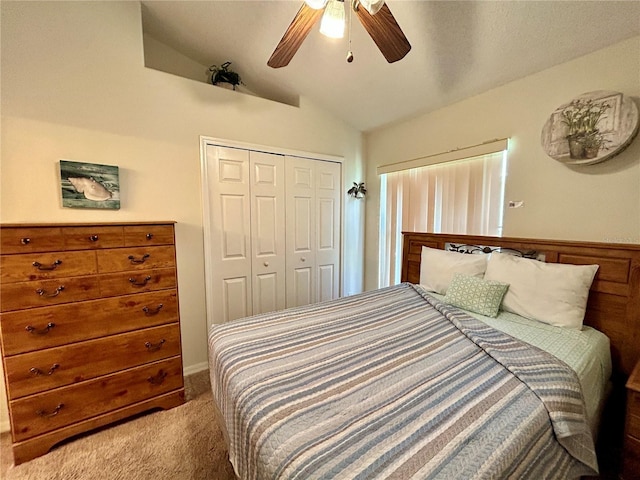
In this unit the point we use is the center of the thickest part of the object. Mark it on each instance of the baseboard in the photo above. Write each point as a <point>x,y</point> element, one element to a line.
<point>197,368</point>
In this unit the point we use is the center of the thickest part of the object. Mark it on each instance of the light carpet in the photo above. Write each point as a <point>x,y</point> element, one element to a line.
<point>182,443</point>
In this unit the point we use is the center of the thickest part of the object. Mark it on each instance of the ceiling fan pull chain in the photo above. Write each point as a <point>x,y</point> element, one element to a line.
<point>350,53</point>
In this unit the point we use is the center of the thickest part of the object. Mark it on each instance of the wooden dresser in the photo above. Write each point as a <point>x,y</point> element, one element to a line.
<point>89,327</point>
<point>631,459</point>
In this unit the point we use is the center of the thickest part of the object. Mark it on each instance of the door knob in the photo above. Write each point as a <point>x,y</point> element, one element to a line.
<point>302,259</point>
<point>266,264</point>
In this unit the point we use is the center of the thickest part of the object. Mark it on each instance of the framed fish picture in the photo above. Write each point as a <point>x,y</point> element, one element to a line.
<point>89,185</point>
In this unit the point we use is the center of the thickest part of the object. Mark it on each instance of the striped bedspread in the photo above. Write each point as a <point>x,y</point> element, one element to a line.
<point>393,384</point>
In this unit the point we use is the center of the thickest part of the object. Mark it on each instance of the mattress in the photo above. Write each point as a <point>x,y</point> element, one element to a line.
<point>394,384</point>
<point>586,351</point>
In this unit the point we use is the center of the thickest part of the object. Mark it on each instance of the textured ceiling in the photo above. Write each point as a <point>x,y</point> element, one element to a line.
<point>459,49</point>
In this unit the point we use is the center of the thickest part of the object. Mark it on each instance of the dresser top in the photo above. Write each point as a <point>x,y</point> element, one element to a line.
<point>82,224</point>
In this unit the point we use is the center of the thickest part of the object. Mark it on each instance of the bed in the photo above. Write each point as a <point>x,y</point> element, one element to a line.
<point>398,383</point>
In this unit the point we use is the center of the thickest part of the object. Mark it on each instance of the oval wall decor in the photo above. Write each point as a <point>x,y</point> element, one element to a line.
<point>591,128</point>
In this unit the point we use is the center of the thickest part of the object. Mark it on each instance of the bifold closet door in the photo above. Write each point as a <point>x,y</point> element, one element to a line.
<point>313,230</point>
<point>328,221</point>
<point>272,232</point>
<point>267,231</point>
<point>230,233</point>
<point>247,232</point>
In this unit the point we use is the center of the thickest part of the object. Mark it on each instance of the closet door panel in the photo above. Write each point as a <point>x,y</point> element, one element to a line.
<point>326,282</point>
<point>302,227</point>
<point>266,293</point>
<point>301,287</point>
<point>230,220</point>
<point>328,195</point>
<point>233,221</point>
<point>235,291</point>
<point>268,232</point>
<point>301,232</point>
<point>301,258</point>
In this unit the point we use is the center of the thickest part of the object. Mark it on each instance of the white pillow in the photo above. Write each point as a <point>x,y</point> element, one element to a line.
<point>553,293</point>
<point>437,267</point>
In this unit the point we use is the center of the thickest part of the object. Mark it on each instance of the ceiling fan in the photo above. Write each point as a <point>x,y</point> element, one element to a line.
<point>374,15</point>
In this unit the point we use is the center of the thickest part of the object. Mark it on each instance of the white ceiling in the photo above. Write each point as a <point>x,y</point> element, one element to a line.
<point>459,49</point>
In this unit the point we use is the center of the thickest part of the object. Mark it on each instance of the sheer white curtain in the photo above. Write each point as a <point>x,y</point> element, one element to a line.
<point>465,196</point>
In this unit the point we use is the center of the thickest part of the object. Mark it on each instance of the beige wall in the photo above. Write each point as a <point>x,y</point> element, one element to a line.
<point>161,57</point>
<point>74,87</point>
<point>593,203</point>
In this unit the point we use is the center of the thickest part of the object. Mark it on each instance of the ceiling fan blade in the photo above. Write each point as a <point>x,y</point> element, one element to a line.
<point>385,32</point>
<point>298,30</point>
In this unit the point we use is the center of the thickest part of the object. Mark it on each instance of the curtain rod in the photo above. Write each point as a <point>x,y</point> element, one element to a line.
<point>459,153</point>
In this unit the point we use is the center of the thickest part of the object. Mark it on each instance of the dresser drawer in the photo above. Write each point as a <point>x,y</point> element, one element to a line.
<point>631,458</point>
<point>633,426</point>
<point>42,266</point>
<point>55,367</point>
<point>93,237</point>
<point>139,281</point>
<point>142,235</point>
<point>26,331</point>
<point>136,258</point>
<point>633,402</point>
<point>41,293</point>
<point>31,239</point>
<point>63,406</point>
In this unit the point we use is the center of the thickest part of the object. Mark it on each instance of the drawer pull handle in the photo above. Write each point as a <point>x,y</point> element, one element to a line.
<point>154,347</point>
<point>42,413</point>
<point>94,238</point>
<point>147,311</point>
<point>55,293</point>
<point>149,236</point>
<point>25,241</point>
<point>158,379</point>
<point>36,371</point>
<point>143,259</point>
<point>135,283</point>
<point>53,266</point>
<point>43,331</point>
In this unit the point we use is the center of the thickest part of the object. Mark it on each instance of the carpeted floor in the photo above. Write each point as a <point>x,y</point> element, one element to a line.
<point>182,443</point>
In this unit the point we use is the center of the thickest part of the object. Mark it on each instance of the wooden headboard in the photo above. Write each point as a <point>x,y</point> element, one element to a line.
<point>614,299</point>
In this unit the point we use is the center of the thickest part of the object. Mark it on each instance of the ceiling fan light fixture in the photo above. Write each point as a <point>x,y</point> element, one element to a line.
<point>372,6</point>
<point>316,4</point>
<point>333,21</point>
<point>382,28</point>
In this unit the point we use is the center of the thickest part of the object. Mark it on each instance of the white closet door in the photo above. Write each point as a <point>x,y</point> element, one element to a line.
<point>272,231</point>
<point>328,195</point>
<point>313,230</point>
<point>267,231</point>
<point>230,220</point>
<point>301,231</point>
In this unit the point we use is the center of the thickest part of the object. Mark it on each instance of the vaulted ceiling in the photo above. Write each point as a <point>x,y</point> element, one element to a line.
<point>459,49</point>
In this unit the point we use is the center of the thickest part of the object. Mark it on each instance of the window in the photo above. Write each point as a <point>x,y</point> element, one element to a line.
<point>463,196</point>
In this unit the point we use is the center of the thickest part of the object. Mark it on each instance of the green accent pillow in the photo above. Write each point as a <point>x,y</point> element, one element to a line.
<point>475,294</point>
